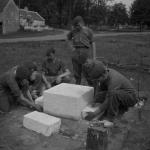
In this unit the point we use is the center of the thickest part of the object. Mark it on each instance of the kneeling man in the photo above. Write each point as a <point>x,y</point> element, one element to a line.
<point>14,88</point>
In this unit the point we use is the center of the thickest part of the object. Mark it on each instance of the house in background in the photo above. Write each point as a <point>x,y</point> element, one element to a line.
<point>31,18</point>
<point>9,17</point>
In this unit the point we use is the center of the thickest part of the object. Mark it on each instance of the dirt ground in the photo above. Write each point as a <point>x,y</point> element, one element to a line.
<point>15,137</point>
<point>129,133</point>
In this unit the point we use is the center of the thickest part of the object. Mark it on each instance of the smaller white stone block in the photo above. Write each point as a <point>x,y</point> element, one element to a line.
<point>39,101</point>
<point>89,109</point>
<point>41,123</point>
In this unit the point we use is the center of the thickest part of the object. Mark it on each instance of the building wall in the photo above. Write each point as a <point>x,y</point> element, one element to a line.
<point>23,22</point>
<point>10,18</point>
<point>38,23</point>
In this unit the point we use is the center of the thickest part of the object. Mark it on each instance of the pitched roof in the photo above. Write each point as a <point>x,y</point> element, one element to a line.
<point>33,14</point>
<point>3,4</point>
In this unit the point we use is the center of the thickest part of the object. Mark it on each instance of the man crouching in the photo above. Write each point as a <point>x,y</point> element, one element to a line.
<point>14,88</point>
<point>112,89</point>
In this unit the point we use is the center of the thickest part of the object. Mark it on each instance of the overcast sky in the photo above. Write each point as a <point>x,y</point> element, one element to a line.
<point>126,2</point>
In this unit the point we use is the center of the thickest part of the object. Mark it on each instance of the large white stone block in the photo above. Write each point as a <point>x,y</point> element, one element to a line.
<point>41,123</point>
<point>39,101</point>
<point>67,100</point>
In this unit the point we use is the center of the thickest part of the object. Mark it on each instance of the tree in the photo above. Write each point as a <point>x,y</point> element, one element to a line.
<point>98,14</point>
<point>98,11</point>
<point>59,13</point>
<point>140,12</point>
<point>35,5</point>
<point>118,15</point>
<point>50,13</point>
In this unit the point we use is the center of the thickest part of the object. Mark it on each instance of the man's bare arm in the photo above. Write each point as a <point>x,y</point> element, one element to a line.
<point>66,73</point>
<point>94,50</point>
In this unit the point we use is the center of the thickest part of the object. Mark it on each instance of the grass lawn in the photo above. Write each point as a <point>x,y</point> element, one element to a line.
<point>22,34</point>
<point>125,49</point>
<point>118,49</point>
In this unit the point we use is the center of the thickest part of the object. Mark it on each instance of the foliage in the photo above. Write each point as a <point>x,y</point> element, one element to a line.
<point>118,15</point>
<point>59,13</point>
<point>140,12</point>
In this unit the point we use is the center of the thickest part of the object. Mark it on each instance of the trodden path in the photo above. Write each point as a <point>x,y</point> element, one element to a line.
<point>63,37</point>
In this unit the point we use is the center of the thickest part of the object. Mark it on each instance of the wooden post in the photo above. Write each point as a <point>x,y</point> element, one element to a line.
<point>97,138</point>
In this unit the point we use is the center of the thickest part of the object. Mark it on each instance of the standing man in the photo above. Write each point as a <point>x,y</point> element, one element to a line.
<point>112,89</point>
<point>81,42</point>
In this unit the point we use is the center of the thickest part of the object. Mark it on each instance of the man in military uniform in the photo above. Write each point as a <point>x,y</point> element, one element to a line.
<point>54,69</point>
<point>81,42</point>
<point>14,87</point>
<point>113,90</point>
